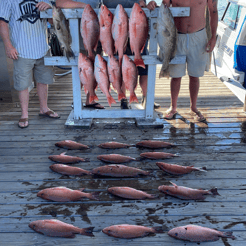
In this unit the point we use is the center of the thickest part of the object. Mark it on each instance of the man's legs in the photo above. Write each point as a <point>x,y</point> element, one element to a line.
<point>42,90</point>
<point>24,100</point>
<point>175,88</point>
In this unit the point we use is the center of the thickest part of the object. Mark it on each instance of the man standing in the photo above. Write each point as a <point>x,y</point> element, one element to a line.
<point>24,37</point>
<point>192,42</point>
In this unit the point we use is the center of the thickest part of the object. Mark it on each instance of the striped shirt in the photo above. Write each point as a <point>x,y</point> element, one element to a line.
<point>27,30</point>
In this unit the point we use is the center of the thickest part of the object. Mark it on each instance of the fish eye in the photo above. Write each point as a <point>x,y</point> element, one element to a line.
<point>109,14</point>
<point>141,12</point>
<point>176,234</point>
<point>98,171</point>
<point>42,194</point>
<point>109,231</point>
<point>167,190</point>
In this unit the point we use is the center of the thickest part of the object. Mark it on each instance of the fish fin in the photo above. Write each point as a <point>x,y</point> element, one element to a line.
<point>228,234</point>
<point>174,184</point>
<point>69,53</point>
<point>81,189</point>
<point>152,196</point>
<point>121,96</point>
<point>110,100</point>
<point>214,192</point>
<point>93,98</point>
<point>139,63</point>
<point>95,195</point>
<point>63,153</point>
<point>133,98</point>
<point>158,229</point>
<point>87,231</point>
<point>164,73</point>
<point>199,169</point>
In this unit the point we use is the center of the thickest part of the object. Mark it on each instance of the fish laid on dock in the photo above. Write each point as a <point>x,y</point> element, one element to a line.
<point>138,30</point>
<point>114,74</point>
<point>157,155</point>
<point>130,231</point>
<point>62,158</point>
<point>61,26</point>
<point>115,158</point>
<point>90,30</point>
<point>105,22</point>
<point>186,193</point>
<point>119,171</point>
<point>57,228</point>
<point>68,170</point>
<point>64,194</point>
<point>198,234</point>
<point>69,144</point>
<point>130,77</point>
<point>113,145</point>
<point>154,144</point>
<point>166,38</point>
<point>87,77</point>
<point>120,29</point>
<point>130,193</point>
<point>101,75</point>
<point>177,169</point>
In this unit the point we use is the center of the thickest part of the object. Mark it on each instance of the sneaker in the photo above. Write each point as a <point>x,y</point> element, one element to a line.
<point>156,105</point>
<point>124,104</point>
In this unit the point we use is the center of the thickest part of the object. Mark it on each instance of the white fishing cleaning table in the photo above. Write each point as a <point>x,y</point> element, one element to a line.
<point>144,117</point>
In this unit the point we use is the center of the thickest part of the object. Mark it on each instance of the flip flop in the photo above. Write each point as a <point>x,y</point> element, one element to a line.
<point>23,120</point>
<point>49,113</point>
<point>198,115</point>
<point>169,115</point>
<point>94,106</point>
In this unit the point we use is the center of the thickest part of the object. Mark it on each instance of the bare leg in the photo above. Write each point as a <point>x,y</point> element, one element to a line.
<point>143,81</point>
<point>42,90</point>
<point>24,101</point>
<point>175,88</point>
<point>194,89</point>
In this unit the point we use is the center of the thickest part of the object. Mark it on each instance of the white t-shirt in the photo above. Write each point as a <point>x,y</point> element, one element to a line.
<point>27,30</point>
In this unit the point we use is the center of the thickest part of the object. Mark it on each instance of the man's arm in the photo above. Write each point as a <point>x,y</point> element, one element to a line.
<point>69,4</point>
<point>213,12</point>
<point>10,50</point>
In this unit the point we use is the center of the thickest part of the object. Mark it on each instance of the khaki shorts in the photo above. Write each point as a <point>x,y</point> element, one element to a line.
<point>25,69</point>
<point>193,46</point>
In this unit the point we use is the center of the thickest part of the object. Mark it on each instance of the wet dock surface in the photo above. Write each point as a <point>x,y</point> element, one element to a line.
<point>219,145</point>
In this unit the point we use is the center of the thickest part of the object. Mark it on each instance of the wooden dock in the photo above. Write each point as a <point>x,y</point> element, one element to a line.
<point>219,145</point>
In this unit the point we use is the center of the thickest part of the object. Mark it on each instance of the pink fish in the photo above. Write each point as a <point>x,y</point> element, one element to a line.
<point>113,145</point>
<point>62,158</point>
<point>186,193</point>
<point>86,75</point>
<point>101,75</point>
<point>57,228</point>
<point>130,193</point>
<point>69,144</point>
<point>130,231</point>
<point>68,170</point>
<point>154,144</point>
<point>106,38</point>
<point>115,158</point>
<point>130,77</point>
<point>120,31</point>
<point>90,30</point>
<point>138,29</point>
<point>115,78</point>
<point>177,169</point>
<point>198,234</point>
<point>63,194</point>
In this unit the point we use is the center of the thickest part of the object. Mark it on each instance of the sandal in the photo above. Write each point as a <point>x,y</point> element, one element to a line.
<point>170,115</point>
<point>23,120</point>
<point>49,113</point>
<point>198,116</point>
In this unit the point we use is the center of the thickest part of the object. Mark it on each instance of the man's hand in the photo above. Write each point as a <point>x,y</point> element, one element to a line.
<point>211,44</point>
<point>11,52</point>
<point>42,6</point>
<point>152,5</point>
<point>142,4</point>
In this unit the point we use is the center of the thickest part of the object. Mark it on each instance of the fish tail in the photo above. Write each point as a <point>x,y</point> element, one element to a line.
<point>86,159</point>
<point>152,196</point>
<point>164,73</point>
<point>139,63</point>
<point>228,234</point>
<point>91,56</point>
<point>110,100</point>
<point>133,98</point>
<point>93,98</point>
<point>95,195</point>
<point>214,192</point>
<point>158,229</point>
<point>202,169</point>
<point>121,96</point>
<point>87,231</point>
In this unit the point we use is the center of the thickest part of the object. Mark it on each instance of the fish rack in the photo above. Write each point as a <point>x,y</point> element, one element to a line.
<point>81,117</point>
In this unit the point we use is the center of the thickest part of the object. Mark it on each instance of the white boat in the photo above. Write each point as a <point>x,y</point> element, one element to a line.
<point>229,56</point>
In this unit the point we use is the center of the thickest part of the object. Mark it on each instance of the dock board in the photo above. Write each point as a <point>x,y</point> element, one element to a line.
<point>219,145</point>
